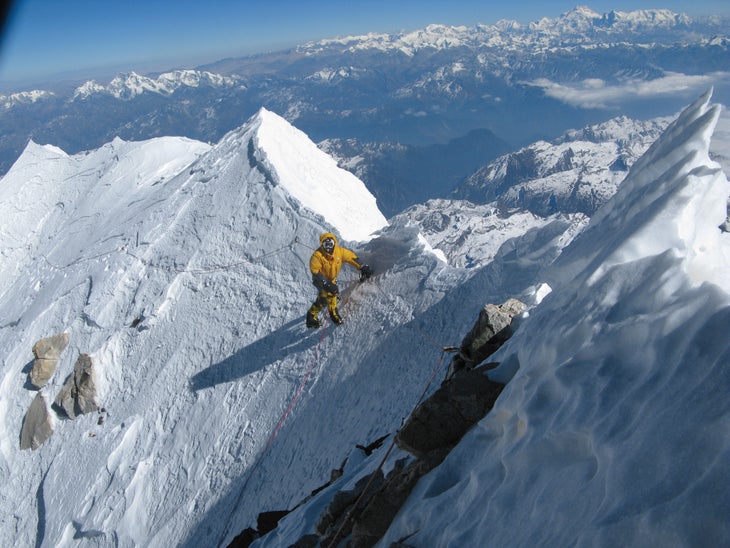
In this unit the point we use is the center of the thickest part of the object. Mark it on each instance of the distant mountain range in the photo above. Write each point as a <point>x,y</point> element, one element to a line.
<point>514,83</point>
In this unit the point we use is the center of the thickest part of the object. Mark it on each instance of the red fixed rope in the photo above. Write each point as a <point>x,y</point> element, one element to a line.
<point>274,433</point>
<point>296,396</point>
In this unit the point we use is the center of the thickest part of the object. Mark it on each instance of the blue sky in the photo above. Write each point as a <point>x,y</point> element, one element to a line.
<point>45,39</point>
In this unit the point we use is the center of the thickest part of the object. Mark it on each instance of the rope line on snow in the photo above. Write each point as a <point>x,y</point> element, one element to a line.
<point>282,420</point>
<point>276,430</point>
<point>306,377</point>
<point>299,390</point>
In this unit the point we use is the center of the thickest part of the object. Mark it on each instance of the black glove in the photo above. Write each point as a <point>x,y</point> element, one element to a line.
<point>365,272</point>
<point>331,287</point>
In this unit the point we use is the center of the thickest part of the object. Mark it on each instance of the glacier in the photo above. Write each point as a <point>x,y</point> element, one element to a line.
<point>180,267</point>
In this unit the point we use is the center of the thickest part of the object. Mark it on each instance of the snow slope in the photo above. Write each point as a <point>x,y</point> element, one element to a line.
<point>614,426</point>
<point>194,246</point>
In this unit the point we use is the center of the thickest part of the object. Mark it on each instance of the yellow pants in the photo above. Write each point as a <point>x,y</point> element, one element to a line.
<point>325,298</point>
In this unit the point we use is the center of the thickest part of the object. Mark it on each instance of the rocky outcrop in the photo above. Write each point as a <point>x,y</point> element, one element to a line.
<point>383,506</point>
<point>431,431</point>
<point>491,330</point>
<point>78,395</point>
<point>47,353</point>
<point>37,424</point>
<point>335,524</point>
<point>443,419</point>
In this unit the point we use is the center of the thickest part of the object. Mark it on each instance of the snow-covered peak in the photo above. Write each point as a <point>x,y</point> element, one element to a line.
<point>579,19</point>
<point>644,19</point>
<point>128,86</point>
<point>613,421</point>
<point>575,173</point>
<point>180,268</point>
<point>185,280</point>
<point>675,174</point>
<point>88,88</point>
<point>313,177</point>
<point>580,25</point>
<point>24,97</point>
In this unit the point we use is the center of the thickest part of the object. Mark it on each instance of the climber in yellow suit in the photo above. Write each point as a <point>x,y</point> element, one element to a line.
<point>325,264</point>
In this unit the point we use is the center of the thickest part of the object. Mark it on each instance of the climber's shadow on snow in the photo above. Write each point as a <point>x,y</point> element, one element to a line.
<point>289,339</point>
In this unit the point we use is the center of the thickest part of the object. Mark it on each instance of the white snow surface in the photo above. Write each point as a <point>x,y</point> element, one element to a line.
<point>614,426</point>
<point>313,177</point>
<point>219,404</point>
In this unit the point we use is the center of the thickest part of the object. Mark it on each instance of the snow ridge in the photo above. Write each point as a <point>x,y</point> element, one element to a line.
<point>181,268</point>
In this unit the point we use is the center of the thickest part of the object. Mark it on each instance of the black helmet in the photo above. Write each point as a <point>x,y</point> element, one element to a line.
<point>328,244</point>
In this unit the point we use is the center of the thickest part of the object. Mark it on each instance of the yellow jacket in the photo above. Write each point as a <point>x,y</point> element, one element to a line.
<point>328,265</point>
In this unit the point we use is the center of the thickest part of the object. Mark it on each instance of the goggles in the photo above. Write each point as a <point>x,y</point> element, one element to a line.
<point>328,245</point>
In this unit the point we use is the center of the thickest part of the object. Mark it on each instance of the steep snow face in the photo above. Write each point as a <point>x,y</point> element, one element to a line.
<point>313,177</point>
<point>614,422</point>
<point>46,190</point>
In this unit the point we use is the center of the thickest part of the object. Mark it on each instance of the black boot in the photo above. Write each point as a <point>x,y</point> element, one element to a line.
<point>312,320</point>
<point>335,317</point>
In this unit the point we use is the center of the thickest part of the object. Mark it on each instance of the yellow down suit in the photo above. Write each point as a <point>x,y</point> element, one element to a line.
<point>325,268</point>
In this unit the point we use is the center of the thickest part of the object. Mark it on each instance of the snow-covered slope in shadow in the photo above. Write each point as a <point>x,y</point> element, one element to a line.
<point>613,425</point>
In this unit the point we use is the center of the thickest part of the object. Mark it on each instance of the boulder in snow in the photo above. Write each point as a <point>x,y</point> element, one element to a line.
<point>491,330</point>
<point>37,424</point>
<point>47,352</point>
<point>78,395</point>
<point>334,521</point>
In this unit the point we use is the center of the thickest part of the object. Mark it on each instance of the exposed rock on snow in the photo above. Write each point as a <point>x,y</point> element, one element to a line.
<point>491,330</point>
<point>442,420</point>
<point>207,255</point>
<point>613,423</point>
<point>37,424</point>
<point>365,512</point>
<point>78,395</point>
<point>47,352</point>
<point>383,506</point>
<point>431,431</point>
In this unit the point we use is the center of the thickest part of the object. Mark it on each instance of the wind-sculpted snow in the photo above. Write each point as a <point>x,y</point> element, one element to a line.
<point>613,428</point>
<point>313,178</point>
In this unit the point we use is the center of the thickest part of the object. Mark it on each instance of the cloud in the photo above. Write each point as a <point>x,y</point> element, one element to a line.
<point>597,93</point>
